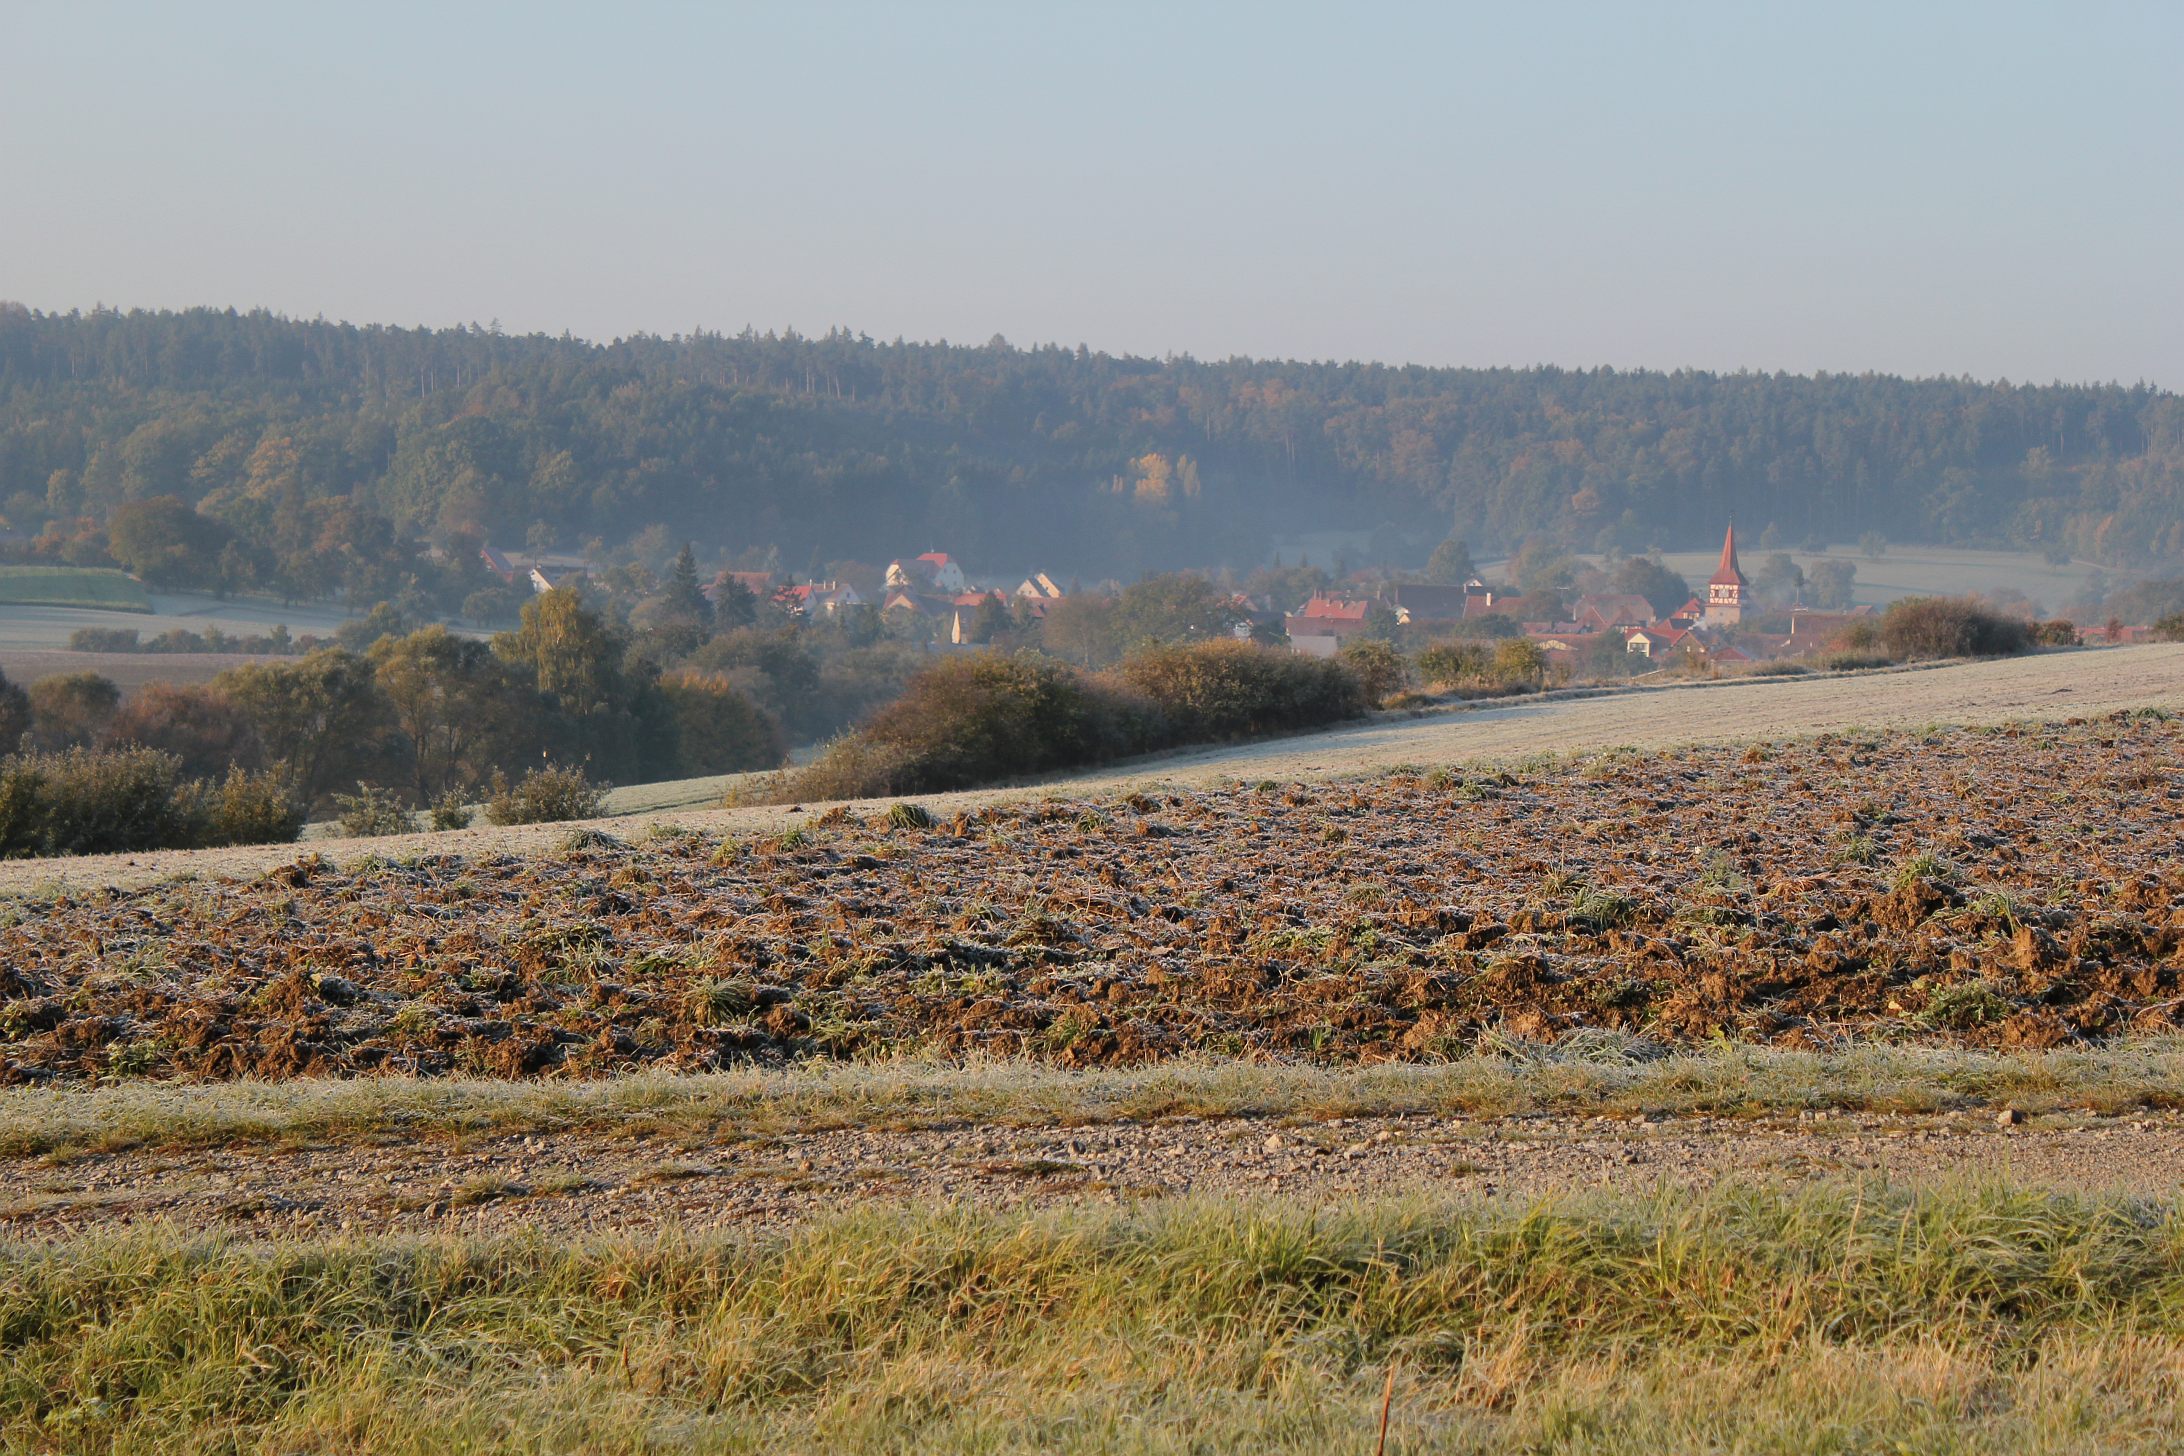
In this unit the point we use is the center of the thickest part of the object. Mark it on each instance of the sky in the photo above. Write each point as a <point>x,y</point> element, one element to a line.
<point>1992,189</point>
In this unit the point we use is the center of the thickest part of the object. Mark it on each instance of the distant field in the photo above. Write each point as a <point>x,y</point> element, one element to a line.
<point>45,626</point>
<point>72,586</point>
<point>128,671</point>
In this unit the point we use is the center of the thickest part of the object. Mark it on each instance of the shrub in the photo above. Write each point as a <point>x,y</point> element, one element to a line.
<point>1854,661</point>
<point>1935,627</point>
<point>1519,661</point>
<point>544,795</point>
<point>2059,632</point>
<point>975,720</point>
<point>1448,664</point>
<point>88,802</point>
<point>247,808</point>
<point>81,802</point>
<point>450,812</point>
<point>104,639</point>
<point>371,812</point>
<point>971,720</point>
<point>2170,628</point>
<point>1380,670</point>
<point>1207,691</point>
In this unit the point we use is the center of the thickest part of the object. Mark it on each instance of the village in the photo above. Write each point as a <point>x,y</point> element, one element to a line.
<point>1592,626</point>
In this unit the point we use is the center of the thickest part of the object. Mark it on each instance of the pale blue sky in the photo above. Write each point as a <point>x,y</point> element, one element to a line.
<point>1994,189</point>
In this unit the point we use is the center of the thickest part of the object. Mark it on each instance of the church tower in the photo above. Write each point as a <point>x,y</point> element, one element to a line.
<point>1727,590</point>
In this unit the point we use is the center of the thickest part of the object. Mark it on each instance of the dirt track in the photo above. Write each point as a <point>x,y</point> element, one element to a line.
<point>2045,687</point>
<point>587,1183</point>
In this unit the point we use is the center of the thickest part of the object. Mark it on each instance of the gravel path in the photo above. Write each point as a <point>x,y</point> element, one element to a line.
<point>2048,686</point>
<point>582,1182</point>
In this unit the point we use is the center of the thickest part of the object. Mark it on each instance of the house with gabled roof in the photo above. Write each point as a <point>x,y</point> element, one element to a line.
<point>1324,623</point>
<point>1604,611</point>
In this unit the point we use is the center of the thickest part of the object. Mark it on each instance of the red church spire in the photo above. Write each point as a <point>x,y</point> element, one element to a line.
<point>1728,571</point>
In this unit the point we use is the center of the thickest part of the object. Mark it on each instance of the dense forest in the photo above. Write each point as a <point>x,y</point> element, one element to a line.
<point>327,454</point>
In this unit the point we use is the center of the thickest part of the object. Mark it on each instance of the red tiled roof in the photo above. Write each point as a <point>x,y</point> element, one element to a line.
<point>1340,609</point>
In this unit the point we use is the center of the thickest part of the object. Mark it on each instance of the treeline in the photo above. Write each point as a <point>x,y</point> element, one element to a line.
<point>250,450</point>
<point>428,716</point>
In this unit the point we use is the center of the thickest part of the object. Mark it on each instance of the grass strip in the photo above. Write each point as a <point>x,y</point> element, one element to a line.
<point>1832,1318</point>
<point>1586,1074</point>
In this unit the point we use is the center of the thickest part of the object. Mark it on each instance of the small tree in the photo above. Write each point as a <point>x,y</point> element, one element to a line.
<point>1451,564</point>
<point>1520,662</point>
<point>1380,670</point>
<point>544,795</point>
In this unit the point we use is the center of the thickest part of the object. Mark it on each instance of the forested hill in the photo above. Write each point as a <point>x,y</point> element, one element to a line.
<point>843,447</point>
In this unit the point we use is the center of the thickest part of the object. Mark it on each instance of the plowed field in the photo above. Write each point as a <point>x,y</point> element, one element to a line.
<point>2011,886</point>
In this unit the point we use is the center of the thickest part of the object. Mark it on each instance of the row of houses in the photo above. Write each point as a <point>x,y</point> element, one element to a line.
<point>931,587</point>
<point>1706,628</point>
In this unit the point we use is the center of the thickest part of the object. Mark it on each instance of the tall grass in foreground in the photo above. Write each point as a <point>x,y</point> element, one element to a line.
<point>1844,1318</point>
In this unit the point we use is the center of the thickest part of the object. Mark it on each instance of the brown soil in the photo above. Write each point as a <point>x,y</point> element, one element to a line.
<point>1997,887</point>
<point>573,1183</point>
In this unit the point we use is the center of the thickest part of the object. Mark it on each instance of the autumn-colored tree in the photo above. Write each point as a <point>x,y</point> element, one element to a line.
<point>165,542</point>
<point>568,651</point>
<point>205,732</point>
<point>72,708</point>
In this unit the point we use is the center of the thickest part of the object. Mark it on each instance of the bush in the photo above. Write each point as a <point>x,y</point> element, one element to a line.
<point>974,720</point>
<point>544,795</point>
<point>1520,661</point>
<point>82,802</point>
<point>371,812</point>
<point>104,639</point>
<point>2057,633</point>
<point>2170,628</point>
<point>1925,628</point>
<point>246,808</point>
<point>1451,664</point>
<point>118,801</point>
<point>1379,669</point>
<point>450,812</point>
<point>1209,691</point>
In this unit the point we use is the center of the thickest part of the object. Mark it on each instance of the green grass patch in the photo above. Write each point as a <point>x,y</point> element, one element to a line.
<point>72,586</point>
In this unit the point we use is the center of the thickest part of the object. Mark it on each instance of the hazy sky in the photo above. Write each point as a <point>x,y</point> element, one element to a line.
<point>1989,188</point>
